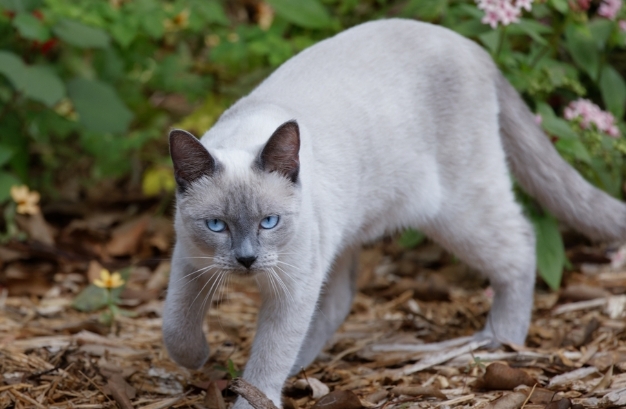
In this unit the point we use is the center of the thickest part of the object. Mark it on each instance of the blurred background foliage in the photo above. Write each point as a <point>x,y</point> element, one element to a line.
<point>89,89</point>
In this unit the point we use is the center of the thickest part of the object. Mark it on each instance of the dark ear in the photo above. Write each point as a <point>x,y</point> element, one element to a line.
<point>280,154</point>
<point>191,159</point>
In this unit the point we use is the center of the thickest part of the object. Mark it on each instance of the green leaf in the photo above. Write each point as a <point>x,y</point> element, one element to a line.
<point>304,13</point>
<point>15,5</point>
<point>560,5</point>
<point>212,11</point>
<point>80,35</point>
<point>153,25</point>
<point>575,148</point>
<point>411,238</point>
<point>558,127</point>
<point>425,10</point>
<point>601,29</point>
<point>124,31</point>
<point>583,49</point>
<point>490,39</point>
<point>12,67</point>
<point>99,107</point>
<point>30,27</point>
<point>470,28</point>
<point>5,154</point>
<point>604,177</point>
<point>6,181</point>
<point>553,124</point>
<point>92,298</point>
<point>36,82</point>
<point>43,85</point>
<point>550,250</point>
<point>534,29</point>
<point>613,89</point>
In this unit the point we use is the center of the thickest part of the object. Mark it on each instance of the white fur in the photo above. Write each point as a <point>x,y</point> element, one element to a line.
<point>399,127</point>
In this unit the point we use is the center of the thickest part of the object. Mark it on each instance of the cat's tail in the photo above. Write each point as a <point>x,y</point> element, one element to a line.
<point>542,173</point>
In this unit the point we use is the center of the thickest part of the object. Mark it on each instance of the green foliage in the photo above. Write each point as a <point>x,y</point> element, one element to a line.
<point>308,14</point>
<point>613,90</point>
<point>550,252</point>
<point>106,114</point>
<point>411,238</point>
<point>97,84</point>
<point>230,368</point>
<point>94,298</point>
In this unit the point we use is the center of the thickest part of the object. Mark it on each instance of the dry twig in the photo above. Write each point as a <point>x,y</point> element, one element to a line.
<point>252,394</point>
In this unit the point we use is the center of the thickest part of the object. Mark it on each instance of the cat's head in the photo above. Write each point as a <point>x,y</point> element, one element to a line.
<point>238,209</point>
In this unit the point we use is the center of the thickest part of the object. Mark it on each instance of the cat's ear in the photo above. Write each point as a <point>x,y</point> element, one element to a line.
<point>280,153</point>
<point>191,159</point>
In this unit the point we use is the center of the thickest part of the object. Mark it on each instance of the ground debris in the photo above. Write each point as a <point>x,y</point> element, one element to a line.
<point>407,342</point>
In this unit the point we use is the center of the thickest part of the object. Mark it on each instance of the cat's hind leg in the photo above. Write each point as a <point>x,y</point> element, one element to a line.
<point>333,308</point>
<point>495,238</point>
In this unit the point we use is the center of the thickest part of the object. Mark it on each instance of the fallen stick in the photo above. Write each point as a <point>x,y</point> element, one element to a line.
<point>252,394</point>
<point>436,359</point>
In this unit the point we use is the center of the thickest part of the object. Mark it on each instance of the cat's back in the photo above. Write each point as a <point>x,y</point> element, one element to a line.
<point>379,65</point>
<point>370,53</point>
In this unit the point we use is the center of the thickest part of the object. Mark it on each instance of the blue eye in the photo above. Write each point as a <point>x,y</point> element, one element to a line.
<point>269,222</point>
<point>216,225</point>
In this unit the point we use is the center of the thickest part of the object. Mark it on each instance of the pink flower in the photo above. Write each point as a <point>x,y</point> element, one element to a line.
<point>610,8</point>
<point>622,25</point>
<point>538,119</point>
<point>524,4</point>
<point>590,113</point>
<point>503,12</point>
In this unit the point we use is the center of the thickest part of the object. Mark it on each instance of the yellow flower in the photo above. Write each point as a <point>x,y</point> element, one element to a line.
<point>108,280</point>
<point>27,201</point>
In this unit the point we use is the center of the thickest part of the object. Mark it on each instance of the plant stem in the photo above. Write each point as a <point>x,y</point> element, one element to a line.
<point>500,42</point>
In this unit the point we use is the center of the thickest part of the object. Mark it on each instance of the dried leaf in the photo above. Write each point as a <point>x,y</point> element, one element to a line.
<point>428,391</point>
<point>316,387</point>
<point>500,376</point>
<point>125,239</point>
<point>513,400</point>
<point>213,398</point>
<point>559,404</point>
<point>339,400</point>
<point>36,227</point>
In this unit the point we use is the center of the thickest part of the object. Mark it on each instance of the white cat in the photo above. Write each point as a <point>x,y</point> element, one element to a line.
<point>388,125</point>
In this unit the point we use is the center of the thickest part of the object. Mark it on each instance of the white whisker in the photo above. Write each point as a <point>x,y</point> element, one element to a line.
<point>212,293</point>
<point>287,264</point>
<point>286,273</point>
<point>200,292</point>
<point>284,286</point>
<point>193,272</point>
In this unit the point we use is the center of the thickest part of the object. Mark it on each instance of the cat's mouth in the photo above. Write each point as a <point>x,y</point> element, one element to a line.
<point>248,272</point>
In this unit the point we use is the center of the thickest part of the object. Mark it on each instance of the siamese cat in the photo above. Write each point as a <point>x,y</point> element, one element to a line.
<point>388,125</point>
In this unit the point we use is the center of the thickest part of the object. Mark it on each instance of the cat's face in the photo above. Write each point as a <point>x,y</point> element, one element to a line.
<point>242,215</point>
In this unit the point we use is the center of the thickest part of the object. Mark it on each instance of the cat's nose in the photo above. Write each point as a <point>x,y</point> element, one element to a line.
<point>246,261</point>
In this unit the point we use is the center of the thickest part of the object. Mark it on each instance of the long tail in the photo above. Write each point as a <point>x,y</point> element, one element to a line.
<point>542,172</point>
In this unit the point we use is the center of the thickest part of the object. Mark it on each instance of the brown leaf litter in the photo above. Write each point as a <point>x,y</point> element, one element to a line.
<point>401,347</point>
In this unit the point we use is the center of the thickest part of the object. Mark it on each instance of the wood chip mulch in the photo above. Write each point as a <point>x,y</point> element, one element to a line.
<point>396,350</point>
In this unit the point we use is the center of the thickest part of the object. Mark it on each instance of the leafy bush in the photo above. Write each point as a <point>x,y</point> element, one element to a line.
<point>88,89</point>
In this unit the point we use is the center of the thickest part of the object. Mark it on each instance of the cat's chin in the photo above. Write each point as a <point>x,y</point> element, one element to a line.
<point>246,273</point>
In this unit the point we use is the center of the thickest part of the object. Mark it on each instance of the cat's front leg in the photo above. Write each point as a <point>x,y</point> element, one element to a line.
<point>185,307</point>
<point>284,319</point>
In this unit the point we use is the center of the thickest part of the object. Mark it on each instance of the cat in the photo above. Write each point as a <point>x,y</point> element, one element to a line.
<point>388,125</point>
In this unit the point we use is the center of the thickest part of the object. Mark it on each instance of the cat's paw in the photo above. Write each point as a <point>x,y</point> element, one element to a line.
<point>185,351</point>
<point>485,335</point>
<point>494,341</point>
